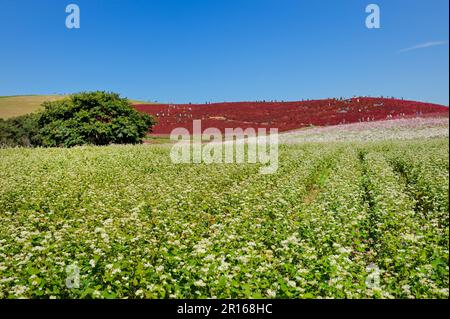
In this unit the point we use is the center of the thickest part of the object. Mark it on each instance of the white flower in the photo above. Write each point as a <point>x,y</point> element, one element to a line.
<point>406,288</point>
<point>92,263</point>
<point>291,283</point>
<point>139,292</point>
<point>199,283</point>
<point>271,293</point>
<point>115,271</point>
<point>200,250</point>
<point>344,250</point>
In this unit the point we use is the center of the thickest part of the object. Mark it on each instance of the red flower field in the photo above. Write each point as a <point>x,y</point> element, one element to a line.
<point>287,115</point>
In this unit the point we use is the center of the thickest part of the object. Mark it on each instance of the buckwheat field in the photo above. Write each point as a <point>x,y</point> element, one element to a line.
<point>337,220</point>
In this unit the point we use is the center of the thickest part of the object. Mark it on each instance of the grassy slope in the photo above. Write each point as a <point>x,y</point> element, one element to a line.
<point>11,106</point>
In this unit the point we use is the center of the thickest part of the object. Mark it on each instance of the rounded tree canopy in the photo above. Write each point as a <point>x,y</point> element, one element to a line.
<point>96,118</point>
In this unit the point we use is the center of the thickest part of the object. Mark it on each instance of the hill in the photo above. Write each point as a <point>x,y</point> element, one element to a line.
<point>287,115</point>
<point>11,106</point>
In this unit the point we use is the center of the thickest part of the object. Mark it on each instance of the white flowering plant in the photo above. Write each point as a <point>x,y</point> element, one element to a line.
<point>137,226</point>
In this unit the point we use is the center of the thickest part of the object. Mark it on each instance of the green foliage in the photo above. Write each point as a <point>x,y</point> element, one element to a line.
<point>20,131</point>
<point>94,118</point>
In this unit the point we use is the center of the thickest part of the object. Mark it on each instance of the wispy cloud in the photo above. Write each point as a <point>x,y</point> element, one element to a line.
<point>423,46</point>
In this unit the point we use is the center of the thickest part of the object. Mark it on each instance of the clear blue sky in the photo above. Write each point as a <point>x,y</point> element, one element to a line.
<point>226,50</point>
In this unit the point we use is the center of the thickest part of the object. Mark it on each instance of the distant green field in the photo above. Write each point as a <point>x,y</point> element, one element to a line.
<point>151,139</point>
<point>11,106</point>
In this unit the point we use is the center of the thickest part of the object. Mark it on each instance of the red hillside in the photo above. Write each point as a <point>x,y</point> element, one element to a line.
<point>286,115</point>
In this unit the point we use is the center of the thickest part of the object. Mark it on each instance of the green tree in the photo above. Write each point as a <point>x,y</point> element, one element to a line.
<point>96,118</point>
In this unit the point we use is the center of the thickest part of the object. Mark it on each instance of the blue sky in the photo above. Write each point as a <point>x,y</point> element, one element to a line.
<point>226,50</point>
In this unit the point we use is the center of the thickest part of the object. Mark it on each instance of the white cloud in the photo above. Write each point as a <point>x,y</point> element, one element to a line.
<point>423,46</point>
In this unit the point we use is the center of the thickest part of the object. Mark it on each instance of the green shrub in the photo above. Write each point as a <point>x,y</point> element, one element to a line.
<point>20,131</point>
